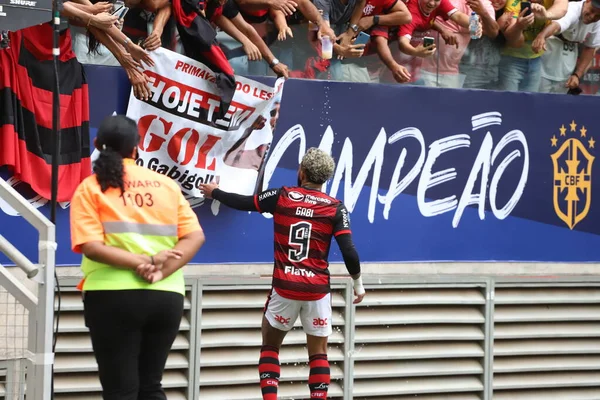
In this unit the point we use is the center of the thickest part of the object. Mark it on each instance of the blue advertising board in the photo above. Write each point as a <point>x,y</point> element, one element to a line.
<point>427,174</point>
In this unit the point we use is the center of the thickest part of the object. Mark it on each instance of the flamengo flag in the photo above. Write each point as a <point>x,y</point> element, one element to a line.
<point>26,84</point>
<point>199,40</point>
<point>182,135</point>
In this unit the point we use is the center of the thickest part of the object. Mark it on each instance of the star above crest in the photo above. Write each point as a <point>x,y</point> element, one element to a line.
<point>583,133</point>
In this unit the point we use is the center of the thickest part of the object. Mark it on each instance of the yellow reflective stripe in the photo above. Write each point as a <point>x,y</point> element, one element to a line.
<point>143,229</point>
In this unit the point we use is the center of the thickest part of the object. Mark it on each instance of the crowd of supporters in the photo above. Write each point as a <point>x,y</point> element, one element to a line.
<point>534,46</point>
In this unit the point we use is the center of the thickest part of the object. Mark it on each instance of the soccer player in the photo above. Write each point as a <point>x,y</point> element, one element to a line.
<point>305,219</point>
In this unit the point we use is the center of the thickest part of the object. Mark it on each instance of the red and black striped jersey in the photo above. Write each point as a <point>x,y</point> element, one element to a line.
<point>305,220</point>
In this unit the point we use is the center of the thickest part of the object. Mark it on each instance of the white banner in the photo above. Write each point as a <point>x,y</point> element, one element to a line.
<point>181,136</point>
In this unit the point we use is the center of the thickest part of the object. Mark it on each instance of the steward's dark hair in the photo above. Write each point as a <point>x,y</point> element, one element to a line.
<point>116,139</point>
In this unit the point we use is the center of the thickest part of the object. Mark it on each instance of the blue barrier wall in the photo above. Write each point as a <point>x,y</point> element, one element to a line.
<point>428,174</point>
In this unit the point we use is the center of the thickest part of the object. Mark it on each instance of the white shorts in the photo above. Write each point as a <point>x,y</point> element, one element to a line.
<point>315,315</point>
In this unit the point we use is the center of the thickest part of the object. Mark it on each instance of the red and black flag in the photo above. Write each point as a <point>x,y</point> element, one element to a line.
<point>199,40</point>
<point>26,84</point>
<point>135,26</point>
<point>315,67</point>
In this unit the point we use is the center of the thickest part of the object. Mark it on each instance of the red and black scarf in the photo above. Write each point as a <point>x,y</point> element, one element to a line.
<point>199,40</point>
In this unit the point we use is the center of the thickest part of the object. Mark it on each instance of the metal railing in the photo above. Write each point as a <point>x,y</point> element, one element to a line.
<point>39,356</point>
<point>463,314</point>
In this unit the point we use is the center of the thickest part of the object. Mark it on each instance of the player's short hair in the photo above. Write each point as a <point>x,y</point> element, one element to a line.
<point>317,165</point>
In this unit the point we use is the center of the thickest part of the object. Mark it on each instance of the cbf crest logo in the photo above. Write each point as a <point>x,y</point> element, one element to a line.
<point>572,174</point>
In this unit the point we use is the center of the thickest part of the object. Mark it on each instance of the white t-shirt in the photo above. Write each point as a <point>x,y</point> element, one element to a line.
<point>559,61</point>
<point>80,47</point>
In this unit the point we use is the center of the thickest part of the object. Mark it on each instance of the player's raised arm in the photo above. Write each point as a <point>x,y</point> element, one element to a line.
<point>343,236</point>
<point>264,202</point>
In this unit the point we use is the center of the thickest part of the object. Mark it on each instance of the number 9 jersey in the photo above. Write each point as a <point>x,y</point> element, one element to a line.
<point>305,220</point>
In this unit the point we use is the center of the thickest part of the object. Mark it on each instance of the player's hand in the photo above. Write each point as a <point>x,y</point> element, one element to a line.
<point>359,297</point>
<point>359,290</point>
<point>207,189</point>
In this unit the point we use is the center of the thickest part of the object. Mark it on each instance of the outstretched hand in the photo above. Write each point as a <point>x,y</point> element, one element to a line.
<point>288,7</point>
<point>207,189</point>
<point>103,20</point>
<point>102,7</point>
<point>325,30</point>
